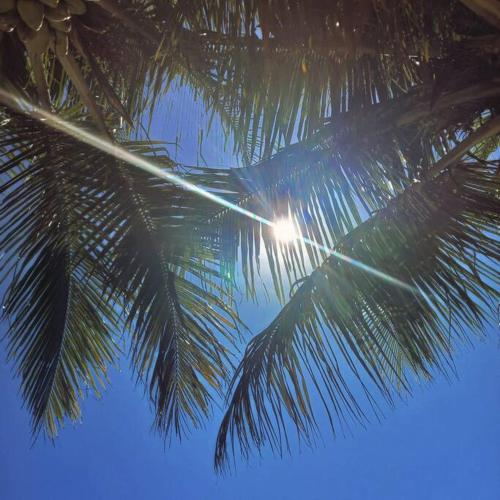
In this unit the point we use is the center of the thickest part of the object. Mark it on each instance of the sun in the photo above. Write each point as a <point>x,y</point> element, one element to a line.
<point>285,230</point>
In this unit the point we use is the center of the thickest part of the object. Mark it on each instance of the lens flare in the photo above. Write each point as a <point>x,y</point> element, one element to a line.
<point>284,229</point>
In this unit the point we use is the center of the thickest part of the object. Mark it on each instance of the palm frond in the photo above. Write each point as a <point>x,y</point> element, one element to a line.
<point>349,169</point>
<point>181,319</point>
<point>131,244</point>
<point>277,79</point>
<point>346,332</point>
<point>61,330</point>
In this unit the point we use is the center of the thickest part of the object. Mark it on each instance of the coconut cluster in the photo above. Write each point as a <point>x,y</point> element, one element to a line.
<point>41,24</point>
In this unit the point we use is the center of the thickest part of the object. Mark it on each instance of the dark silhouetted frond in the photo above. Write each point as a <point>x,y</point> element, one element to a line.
<point>345,331</point>
<point>349,169</point>
<point>61,330</point>
<point>95,235</point>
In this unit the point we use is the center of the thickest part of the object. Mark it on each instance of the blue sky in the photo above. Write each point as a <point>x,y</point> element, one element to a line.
<point>444,443</point>
<point>441,444</point>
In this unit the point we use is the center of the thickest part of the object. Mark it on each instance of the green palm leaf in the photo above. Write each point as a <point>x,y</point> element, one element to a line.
<point>276,78</point>
<point>350,168</point>
<point>178,324</point>
<point>437,236</point>
<point>61,330</point>
<point>95,235</point>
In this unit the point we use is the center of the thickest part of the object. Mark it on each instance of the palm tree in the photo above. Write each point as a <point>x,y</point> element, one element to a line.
<point>393,109</point>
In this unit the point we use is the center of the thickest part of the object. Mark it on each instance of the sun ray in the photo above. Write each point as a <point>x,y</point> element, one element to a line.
<point>284,229</point>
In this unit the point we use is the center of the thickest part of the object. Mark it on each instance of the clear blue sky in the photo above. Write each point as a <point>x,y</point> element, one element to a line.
<point>444,443</point>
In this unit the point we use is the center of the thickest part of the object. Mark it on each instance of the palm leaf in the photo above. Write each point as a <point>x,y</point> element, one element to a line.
<point>345,332</point>
<point>178,324</point>
<point>131,243</point>
<point>61,330</point>
<point>350,168</point>
<point>276,78</point>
